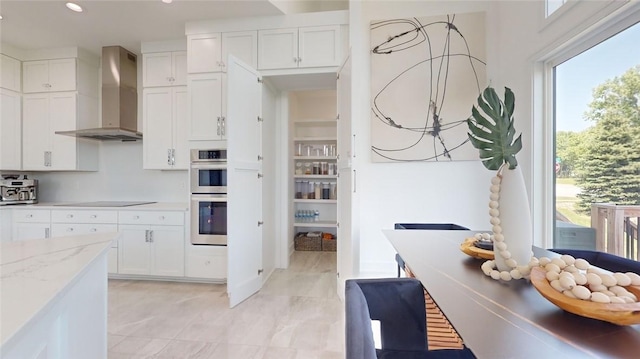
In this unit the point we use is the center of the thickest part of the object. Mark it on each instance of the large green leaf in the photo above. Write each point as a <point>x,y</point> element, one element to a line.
<point>492,132</point>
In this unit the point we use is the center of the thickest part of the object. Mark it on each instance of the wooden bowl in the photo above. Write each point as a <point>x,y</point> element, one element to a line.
<point>468,248</point>
<point>620,314</point>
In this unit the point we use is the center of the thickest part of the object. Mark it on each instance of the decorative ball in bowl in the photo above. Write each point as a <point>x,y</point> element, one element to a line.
<point>616,313</point>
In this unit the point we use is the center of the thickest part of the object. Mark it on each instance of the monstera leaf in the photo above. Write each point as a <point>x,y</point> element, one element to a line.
<point>492,131</point>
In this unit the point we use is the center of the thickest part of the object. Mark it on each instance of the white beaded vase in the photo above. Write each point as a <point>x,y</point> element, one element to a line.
<point>515,219</point>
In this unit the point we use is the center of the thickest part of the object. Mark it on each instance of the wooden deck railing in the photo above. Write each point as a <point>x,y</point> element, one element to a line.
<point>617,230</point>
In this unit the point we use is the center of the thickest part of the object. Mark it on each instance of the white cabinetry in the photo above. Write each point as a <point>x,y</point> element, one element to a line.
<point>49,75</point>
<point>45,113</point>
<point>207,107</point>
<point>209,52</point>
<point>10,78</point>
<point>316,46</point>
<point>208,262</point>
<point>152,243</point>
<point>314,160</point>
<point>10,130</point>
<point>165,128</point>
<point>31,224</point>
<point>76,222</point>
<point>164,69</point>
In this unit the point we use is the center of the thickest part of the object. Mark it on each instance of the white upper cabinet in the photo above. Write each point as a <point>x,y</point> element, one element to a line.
<point>303,47</point>
<point>10,130</point>
<point>10,78</point>
<point>164,69</point>
<point>49,75</point>
<point>278,49</point>
<point>207,107</point>
<point>204,53</point>
<point>241,44</point>
<point>43,115</point>
<point>165,128</point>
<point>209,52</point>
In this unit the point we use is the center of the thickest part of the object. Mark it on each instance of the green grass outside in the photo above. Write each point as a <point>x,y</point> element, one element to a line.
<point>567,180</point>
<point>565,205</point>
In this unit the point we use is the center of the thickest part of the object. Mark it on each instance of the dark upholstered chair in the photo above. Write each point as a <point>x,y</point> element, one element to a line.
<point>425,226</point>
<point>603,260</point>
<point>398,303</point>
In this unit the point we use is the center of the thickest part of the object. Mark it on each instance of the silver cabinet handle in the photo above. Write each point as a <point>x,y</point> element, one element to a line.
<point>93,230</point>
<point>94,216</point>
<point>146,235</point>
<point>136,217</point>
<point>173,156</point>
<point>70,229</point>
<point>169,156</point>
<point>47,232</point>
<point>218,126</point>
<point>161,218</point>
<point>29,216</point>
<point>299,59</point>
<point>224,125</point>
<point>151,236</point>
<point>69,215</point>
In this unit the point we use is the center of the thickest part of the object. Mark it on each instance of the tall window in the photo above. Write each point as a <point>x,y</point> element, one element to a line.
<point>597,135</point>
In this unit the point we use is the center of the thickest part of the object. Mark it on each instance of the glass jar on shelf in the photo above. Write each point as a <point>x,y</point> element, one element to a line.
<point>307,150</point>
<point>326,190</point>
<point>304,190</point>
<point>307,168</point>
<point>317,190</point>
<point>299,168</point>
<point>311,194</point>
<point>324,168</point>
<point>332,169</point>
<point>333,193</point>
<point>299,149</point>
<point>298,189</point>
<point>316,168</point>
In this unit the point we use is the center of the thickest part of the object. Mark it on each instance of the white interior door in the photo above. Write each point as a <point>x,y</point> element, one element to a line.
<point>346,186</point>
<point>244,208</point>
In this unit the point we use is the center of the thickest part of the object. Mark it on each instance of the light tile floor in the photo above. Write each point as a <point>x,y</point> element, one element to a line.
<point>297,314</point>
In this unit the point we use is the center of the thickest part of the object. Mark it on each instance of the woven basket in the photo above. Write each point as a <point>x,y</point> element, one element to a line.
<point>329,245</point>
<point>303,243</point>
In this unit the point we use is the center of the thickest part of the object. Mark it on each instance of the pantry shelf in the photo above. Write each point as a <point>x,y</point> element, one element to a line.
<point>319,224</point>
<point>316,176</point>
<point>315,201</point>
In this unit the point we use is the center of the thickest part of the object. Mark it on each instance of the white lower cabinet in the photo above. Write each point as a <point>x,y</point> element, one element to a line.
<point>31,224</point>
<point>209,262</point>
<point>155,246</point>
<point>77,222</point>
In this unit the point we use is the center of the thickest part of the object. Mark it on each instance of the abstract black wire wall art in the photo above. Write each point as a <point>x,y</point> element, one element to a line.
<point>426,73</point>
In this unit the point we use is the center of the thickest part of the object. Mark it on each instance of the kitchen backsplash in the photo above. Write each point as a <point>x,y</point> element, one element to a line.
<point>119,178</point>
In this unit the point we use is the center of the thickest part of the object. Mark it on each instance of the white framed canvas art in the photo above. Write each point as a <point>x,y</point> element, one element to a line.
<point>426,74</point>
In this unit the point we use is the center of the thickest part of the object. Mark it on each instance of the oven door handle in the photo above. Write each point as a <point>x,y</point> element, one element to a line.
<point>209,197</point>
<point>199,166</point>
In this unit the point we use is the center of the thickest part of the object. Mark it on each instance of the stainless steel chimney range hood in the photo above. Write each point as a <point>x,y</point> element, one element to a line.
<point>119,98</point>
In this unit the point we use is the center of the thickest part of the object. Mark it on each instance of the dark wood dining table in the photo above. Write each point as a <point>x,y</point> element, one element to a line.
<point>498,319</point>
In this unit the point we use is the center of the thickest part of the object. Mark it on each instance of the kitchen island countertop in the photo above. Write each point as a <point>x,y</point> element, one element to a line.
<point>35,275</point>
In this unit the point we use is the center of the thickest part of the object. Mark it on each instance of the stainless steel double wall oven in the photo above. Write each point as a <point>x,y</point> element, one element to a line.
<point>209,196</point>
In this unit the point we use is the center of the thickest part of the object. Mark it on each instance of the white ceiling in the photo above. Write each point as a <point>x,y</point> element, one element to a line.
<point>31,24</point>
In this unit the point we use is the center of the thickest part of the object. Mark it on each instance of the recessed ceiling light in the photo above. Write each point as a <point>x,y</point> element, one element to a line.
<point>74,7</point>
<point>167,1</point>
<point>0,17</point>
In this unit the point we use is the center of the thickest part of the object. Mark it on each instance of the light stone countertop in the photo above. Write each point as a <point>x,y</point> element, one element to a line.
<point>34,274</point>
<point>158,206</point>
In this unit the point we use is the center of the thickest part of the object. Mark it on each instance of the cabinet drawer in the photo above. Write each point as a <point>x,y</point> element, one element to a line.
<point>151,217</point>
<point>202,266</point>
<point>82,216</point>
<point>69,229</point>
<point>31,215</point>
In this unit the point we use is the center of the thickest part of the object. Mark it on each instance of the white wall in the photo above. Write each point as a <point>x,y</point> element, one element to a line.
<point>120,178</point>
<point>517,37</point>
<point>451,192</point>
